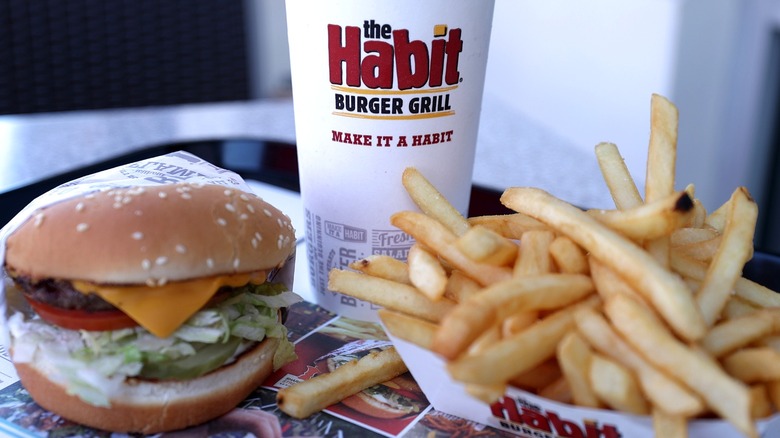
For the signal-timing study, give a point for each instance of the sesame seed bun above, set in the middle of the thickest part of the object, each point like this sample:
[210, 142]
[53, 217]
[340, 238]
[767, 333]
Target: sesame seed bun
[159, 233]
[152, 407]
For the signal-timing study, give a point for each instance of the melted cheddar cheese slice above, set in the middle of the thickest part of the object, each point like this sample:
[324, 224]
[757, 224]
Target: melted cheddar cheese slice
[162, 309]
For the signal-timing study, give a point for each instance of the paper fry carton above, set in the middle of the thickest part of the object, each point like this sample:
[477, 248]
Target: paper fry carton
[529, 415]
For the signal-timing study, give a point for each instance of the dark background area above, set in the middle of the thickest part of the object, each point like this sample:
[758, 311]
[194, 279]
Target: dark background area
[89, 54]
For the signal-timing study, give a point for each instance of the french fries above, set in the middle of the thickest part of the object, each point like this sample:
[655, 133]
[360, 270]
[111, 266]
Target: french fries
[426, 273]
[658, 387]
[619, 181]
[722, 393]
[321, 391]
[383, 266]
[569, 257]
[534, 255]
[649, 221]
[441, 240]
[432, 202]
[408, 328]
[661, 161]
[616, 385]
[641, 309]
[543, 292]
[659, 286]
[481, 244]
[668, 425]
[389, 294]
[575, 357]
[734, 251]
[517, 353]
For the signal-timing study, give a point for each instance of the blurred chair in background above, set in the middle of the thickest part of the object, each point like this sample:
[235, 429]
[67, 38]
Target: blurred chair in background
[92, 54]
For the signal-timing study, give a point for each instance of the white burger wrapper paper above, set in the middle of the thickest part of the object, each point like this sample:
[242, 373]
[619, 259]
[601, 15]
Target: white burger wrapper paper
[172, 168]
[529, 415]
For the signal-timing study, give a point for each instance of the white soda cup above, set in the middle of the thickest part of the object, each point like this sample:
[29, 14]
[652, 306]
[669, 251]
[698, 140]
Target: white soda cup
[378, 86]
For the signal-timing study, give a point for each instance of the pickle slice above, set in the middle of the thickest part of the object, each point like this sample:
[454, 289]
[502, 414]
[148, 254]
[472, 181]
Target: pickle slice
[207, 358]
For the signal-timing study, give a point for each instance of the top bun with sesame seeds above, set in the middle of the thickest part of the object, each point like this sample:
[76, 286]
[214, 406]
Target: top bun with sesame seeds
[152, 234]
[149, 303]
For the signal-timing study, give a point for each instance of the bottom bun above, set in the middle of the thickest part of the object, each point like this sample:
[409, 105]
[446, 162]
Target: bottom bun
[153, 407]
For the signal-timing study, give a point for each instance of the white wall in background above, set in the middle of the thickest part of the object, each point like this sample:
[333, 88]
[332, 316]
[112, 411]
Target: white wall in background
[586, 69]
[725, 93]
[268, 51]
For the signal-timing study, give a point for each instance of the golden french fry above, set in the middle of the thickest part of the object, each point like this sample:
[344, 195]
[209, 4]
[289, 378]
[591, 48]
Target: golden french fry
[661, 160]
[746, 290]
[574, 356]
[426, 273]
[484, 245]
[662, 150]
[703, 250]
[616, 386]
[389, 294]
[725, 395]
[756, 294]
[464, 325]
[538, 377]
[761, 405]
[558, 390]
[536, 292]
[773, 391]
[534, 255]
[432, 202]
[699, 211]
[518, 322]
[687, 266]
[543, 292]
[519, 353]
[659, 388]
[771, 341]
[751, 365]
[383, 266]
[668, 425]
[568, 256]
[664, 290]
[409, 328]
[737, 307]
[658, 248]
[728, 336]
[438, 238]
[511, 226]
[688, 235]
[485, 339]
[608, 283]
[460, 287]
[619, 181]
[699, 214]
[486, 393]
[717, 219]
[317, 393]
[735, 250]
[651, 220]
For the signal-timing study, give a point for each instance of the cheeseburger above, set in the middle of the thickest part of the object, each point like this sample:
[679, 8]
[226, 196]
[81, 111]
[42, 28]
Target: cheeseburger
[148, 309]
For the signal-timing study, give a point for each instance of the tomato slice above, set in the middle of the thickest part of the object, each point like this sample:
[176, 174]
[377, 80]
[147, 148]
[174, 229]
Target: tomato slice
[82, 319]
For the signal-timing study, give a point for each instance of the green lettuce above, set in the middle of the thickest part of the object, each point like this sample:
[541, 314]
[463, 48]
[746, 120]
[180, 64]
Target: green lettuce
[92, 364]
